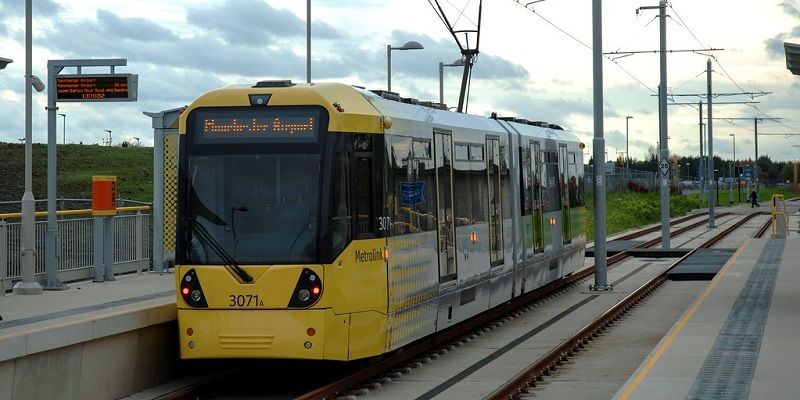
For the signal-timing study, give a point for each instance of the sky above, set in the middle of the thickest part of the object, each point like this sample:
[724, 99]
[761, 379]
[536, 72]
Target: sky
[534, 63]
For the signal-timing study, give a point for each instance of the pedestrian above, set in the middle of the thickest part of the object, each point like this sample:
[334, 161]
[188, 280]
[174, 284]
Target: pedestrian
[754, 199]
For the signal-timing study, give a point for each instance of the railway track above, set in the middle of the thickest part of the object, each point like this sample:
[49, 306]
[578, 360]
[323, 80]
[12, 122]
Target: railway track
[557, 356]
[393, 364]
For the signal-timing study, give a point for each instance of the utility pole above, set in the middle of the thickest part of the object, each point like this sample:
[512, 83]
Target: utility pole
[709, 166]
[700, 161]
[598, 147]
[710, 129]
[308, 41]
[756, 120]
[663, 127]
[28, 285]
[627, 154]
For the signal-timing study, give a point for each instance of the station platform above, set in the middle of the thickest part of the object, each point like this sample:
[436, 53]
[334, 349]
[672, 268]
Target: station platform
[94, 340]
[739, 338]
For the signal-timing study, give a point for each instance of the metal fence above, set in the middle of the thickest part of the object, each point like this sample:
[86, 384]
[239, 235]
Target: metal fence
[132, 248]
[619, 179]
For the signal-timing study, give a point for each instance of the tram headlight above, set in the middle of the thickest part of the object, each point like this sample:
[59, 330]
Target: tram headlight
[190, 290]
[307, 290]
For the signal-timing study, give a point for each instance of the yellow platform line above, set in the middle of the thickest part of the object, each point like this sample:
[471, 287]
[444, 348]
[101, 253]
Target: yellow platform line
[664, 346]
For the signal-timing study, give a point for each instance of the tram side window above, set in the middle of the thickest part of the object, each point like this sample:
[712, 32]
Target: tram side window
[400, 177]
[525, 181]
[340, 225]
[363, 196]
[505, 181]
[424, 177]
[494, 169]
[462, 184]
[478, 196]
[575, 183]
[551, 200]
[412, 181]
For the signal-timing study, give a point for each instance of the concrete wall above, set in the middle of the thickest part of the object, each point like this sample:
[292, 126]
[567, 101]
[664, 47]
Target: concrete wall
[106, 368]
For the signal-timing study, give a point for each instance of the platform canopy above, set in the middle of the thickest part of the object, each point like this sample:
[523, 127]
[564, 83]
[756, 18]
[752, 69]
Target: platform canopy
[792, 57]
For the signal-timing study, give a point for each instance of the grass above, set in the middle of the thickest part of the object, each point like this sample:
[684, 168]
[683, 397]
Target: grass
[627, 210]
[133, 167]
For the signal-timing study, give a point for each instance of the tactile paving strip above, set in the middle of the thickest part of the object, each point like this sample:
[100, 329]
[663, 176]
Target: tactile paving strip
[729, 367]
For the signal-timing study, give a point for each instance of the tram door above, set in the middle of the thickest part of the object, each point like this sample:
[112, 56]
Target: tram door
[538, 219]
[563, 168]
[443, 151]
[495, 193]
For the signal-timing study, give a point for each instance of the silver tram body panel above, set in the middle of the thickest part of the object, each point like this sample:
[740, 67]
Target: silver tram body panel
[420, 303]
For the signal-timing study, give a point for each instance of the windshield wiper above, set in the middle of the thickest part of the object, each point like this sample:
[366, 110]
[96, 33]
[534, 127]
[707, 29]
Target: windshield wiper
[208, 240]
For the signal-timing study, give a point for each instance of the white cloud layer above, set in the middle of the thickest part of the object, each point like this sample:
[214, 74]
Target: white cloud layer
[527, 66]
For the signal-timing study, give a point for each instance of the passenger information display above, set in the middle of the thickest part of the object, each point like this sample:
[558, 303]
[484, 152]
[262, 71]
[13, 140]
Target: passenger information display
[105, 87]
[256, 125]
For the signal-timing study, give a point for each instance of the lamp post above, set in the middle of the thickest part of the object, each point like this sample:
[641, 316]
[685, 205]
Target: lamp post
[627, 152]
[137, 141]
[412, 45]
[733, 135]
[730, 192]
[64, 127]
[4, 62]
[687, 172]
[28, 243]
[109, 137]
[456, 63]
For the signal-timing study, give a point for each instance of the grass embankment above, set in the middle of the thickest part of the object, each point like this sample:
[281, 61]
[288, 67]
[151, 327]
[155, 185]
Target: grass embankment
[133, 167]
[627, 210]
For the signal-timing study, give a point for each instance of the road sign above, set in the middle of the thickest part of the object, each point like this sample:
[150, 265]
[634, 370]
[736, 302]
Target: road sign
[747, 170]
[97, 87]
[664, 166]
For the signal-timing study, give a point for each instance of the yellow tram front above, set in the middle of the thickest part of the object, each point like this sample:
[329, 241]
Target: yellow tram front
[272, 182]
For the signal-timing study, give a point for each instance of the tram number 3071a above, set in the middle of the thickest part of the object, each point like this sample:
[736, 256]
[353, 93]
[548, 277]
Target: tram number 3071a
[245, 300]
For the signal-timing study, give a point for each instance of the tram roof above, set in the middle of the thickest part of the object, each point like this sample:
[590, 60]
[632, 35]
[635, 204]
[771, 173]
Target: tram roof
[355, 109]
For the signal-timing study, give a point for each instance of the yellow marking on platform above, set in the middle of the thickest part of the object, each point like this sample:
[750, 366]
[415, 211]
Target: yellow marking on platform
[664, 346]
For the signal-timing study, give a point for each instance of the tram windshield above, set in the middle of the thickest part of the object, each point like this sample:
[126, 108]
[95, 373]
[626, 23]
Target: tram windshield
[257, 198]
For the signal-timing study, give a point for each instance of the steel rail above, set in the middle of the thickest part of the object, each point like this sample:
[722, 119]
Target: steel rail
[554, 358]
[416, 350]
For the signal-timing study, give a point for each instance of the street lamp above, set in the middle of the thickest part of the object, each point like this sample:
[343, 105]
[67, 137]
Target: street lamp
[28, 284]
[627, 152]
[412, 45]
[456, 63]
[687, 172]
[4, 62]
[109, 137]
[733, 135]
[137, 141]
[64, 126]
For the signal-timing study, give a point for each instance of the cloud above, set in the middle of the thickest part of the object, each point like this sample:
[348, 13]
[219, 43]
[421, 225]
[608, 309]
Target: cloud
[254, 22]
[425, 63]
[16, 8]
[774, 45]
[138, 29]
[790, 7]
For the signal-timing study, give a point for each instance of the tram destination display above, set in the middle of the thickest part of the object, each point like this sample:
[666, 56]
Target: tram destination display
[97, 87]
[282, 124]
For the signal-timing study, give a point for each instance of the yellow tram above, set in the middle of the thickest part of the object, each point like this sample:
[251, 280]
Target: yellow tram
[325, 221]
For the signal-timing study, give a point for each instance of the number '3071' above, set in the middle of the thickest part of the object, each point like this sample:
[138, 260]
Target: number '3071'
[244, 300]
